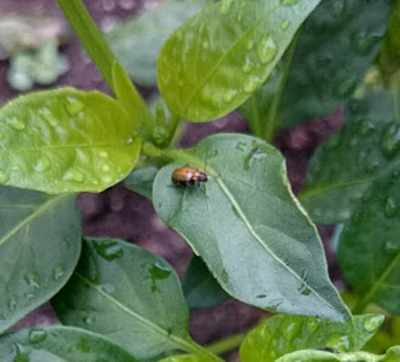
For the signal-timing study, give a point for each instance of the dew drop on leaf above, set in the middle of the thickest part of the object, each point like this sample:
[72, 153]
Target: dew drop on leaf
[285, 24]
[33, 280]
[341, 342]
[58, 272]
[21, 355]
[372, 323]
[48, 117]
[290, 330]
[205, 45]
[74, 106]
[267, 50]
[12, 304]
[225, 6]
[73, 175]
[229, 95]
[4, 177]
[390, 207]
[346, 89]
[43, 164]
[248, 65]
[289, 2]
[103, 154]
[109, 250]
[363, 42]
[37, 335]
[105, 168]
[390, 141]
[15, 124]
[250, 44]
[392, 246]
[251, 83]
[158, 272]
[312, 324]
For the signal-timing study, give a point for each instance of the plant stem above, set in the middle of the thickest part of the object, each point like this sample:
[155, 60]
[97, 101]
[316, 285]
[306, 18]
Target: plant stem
[90, 37]
[226, 344]
[194, 348]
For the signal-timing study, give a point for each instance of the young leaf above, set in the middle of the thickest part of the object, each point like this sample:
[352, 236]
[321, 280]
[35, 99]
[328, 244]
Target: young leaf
[215, 60]
[392, 355]
[65, 140]
[40, 242]
[186, 358]
[200, 287]
[141, 181]
[369, 246]
[127, 294]
[137, 42]
[366, 147]
[248, 227]
[283, 334]
[60, 344]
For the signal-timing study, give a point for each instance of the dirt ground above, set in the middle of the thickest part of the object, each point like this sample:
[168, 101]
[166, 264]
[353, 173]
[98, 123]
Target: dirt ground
[120, 213]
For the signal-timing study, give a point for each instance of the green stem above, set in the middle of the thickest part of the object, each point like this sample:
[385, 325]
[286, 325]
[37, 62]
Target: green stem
[90, 37]
[194, 348]
[226, 344]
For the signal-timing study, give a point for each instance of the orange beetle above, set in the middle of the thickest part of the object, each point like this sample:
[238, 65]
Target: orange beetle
[187, 175]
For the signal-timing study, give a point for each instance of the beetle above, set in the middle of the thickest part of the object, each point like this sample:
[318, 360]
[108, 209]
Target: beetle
[188, 176]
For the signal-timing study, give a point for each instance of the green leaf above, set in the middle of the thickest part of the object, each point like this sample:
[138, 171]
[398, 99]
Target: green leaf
[283, 334]
[40, 242]
[60, 344]
[186, 358]
[246, 224]
[65, 141]
[127, 294]
[392, 355]
[214, 61]
[369, 246]
[334, 49]
[200, 287]
[141, 181]
[137, 42]
[364, 148]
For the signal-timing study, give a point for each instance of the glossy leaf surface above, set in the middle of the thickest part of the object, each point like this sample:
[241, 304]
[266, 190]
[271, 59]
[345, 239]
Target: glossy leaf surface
[364, 148]
[369, 246]
[246, 224]
[214, 61]
[392, 355]
[60, 344]
[127, 294]
[65, 141]
[141, 181]
[283, 334]
[40, 242]
[311, 80]
[200, 287]
[136, 42]
[186, 358]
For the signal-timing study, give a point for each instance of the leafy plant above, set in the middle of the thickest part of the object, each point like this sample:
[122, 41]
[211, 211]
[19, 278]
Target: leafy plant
[279, 62]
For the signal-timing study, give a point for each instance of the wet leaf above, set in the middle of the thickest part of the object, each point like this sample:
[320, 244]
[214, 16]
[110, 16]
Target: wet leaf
[246, 224]
[283, 334]
[200, 287]
[186, 358]
[136, 42]
[127, 294]
[60, 344]
[347, 163]
[65, 140]
[369, 246]
[141, 181]
[40, 242]
[215, 60]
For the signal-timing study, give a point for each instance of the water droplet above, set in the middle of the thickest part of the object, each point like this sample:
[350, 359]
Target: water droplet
[241, 146]
[251, 84]
[290, 330]
[285, 24]
[4, 177]
[74, 106]
[12, 304]
[158, 272]
[1, 135]
[33, 280]
[225, 6]
[37, 335]
[392, 246]
[250, 44]
[248, 65]
[88, 320]
[366, 127]
[267, 50]
[15, 124]
[105, 168]
[229, 95]
[73, 175]
[340, 342]
[21, 355]
[303, 7]
[58, 272]
[372, 323]
[205, 44]
[364, 42]
[289, 2]
[346, 89]
[103, 154]
[312, 324]
[48, 117]
[255, 154]
[390, 141]
[390, 207]
[109, 250]
[43, 164]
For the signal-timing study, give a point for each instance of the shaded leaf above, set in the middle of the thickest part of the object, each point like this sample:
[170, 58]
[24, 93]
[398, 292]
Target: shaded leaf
[200, 287]
[127, 294]
[65, 140]
[246, 224]
[40, 242]
[283, 334]
[60, 344]
[214, 61]
[369, 246]
[137, 42]
[362, 150]
[141, 181]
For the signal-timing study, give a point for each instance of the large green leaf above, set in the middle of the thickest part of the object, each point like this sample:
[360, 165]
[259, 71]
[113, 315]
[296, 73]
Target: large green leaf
[283, 334]
[186, 358]
[248, 227]
[137, 42]
[65, 140]
[127, 294]
[141, 181]
[60, 344]
[367, 146]
[337, 44]
[40, 242]
[392, 355]
[214, 61]
[369, 246]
